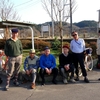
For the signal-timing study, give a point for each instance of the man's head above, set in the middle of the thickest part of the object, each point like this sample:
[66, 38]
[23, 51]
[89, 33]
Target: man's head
[14, 33]
[32, 53]
[46, 50]
[75, 35]
[14, 30]
[65, 49]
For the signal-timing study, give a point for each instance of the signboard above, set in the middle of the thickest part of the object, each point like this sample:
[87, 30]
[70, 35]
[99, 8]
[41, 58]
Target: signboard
[45, 28]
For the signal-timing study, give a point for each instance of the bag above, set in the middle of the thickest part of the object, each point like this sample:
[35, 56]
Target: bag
[98, 65]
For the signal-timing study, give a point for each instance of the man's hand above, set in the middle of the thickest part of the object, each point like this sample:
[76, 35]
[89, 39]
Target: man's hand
[67, 67]
[27, 72]
[48, 71]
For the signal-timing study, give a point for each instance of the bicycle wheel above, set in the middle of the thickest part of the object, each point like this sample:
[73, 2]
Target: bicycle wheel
[80, 72]
[88, 62]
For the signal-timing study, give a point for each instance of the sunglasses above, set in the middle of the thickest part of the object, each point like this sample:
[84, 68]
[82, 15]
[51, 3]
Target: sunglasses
[74, 34]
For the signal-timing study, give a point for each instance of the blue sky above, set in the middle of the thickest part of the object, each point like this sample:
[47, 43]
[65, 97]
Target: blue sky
[32, 10]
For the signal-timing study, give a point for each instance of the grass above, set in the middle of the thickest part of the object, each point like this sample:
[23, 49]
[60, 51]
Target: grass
[26, 53]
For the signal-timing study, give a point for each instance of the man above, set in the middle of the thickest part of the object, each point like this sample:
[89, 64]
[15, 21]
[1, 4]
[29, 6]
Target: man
[31, 65]
[66, 65]
[98, 51]
[13, 50]
[48, 65]
[77, 47]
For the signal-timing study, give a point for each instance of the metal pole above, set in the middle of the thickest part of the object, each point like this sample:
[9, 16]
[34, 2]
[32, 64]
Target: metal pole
[98, 25]
[32, 37]
[10, 24]
[52, 18]
[70, 17]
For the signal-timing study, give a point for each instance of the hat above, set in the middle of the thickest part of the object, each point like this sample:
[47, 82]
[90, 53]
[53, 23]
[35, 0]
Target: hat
[66, 46]
[32, 51]
[46, 48]
[14, 30]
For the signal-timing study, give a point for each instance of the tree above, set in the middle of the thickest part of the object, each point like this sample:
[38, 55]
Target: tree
[59, 11]
[7, 12]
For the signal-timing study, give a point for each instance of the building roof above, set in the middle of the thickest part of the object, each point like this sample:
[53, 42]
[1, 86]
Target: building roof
[4, 24]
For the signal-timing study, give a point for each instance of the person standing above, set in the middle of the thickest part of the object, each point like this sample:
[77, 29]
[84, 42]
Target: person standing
[98, 51]
[98, 46]
[31, 65]
[66, 65]
[77, 47]
[48, 65]
[13, 50]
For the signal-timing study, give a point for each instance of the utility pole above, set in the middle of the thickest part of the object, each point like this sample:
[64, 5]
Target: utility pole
[52, 18]
[98, 28]
[70, 16]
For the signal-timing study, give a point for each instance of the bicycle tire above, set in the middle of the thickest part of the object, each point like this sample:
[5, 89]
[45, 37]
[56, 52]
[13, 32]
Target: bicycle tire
[88, 63]
[80, 72]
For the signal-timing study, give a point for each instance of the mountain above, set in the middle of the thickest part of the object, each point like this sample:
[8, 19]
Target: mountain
[86, 23]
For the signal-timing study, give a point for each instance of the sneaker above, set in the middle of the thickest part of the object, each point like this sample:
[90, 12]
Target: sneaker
[77, 79]
[99, 79]
[16, 83]
[65, 81]
[54, 81]
[33, 86]
[1, 81]
[6, 88]
[86, 80]
[42, 83]
[72, 80]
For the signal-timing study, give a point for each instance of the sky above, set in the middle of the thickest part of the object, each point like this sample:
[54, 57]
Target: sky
[33, 11]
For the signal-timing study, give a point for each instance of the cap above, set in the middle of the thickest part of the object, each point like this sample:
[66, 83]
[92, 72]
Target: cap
[14, 30]
[66, 46]
[32, 51]
[46, 48]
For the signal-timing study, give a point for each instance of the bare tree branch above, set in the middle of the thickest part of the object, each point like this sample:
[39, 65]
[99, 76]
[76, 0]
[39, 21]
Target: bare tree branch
[7, 11]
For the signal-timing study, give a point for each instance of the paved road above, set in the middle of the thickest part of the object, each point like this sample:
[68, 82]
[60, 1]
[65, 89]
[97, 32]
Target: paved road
[76, 91]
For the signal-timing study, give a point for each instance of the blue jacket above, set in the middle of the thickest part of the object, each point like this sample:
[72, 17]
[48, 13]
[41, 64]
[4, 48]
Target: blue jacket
[47, 61]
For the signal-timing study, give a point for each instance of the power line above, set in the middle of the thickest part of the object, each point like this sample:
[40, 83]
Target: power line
[28, 5]
[30, 1]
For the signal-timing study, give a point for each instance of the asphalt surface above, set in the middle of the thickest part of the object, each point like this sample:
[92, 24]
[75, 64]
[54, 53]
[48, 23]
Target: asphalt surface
[70, 91]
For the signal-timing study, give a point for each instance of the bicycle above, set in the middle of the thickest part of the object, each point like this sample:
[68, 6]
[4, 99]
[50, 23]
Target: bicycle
[88, 61]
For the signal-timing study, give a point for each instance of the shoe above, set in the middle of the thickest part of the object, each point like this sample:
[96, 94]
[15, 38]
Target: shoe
[16, 83]
[77, 79]
[6, 88]
[86, 80]
[42, 83]
[99, 79]
[54, 81]
[1, 81]
[65, 81]
[33, 86]
[72, 80]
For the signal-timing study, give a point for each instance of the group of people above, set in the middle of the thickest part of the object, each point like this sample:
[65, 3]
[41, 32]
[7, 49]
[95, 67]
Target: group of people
[68, 62]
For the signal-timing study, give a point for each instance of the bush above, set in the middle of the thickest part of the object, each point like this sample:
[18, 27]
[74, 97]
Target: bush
[56, 44]
[40, 44]
[26, 44]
